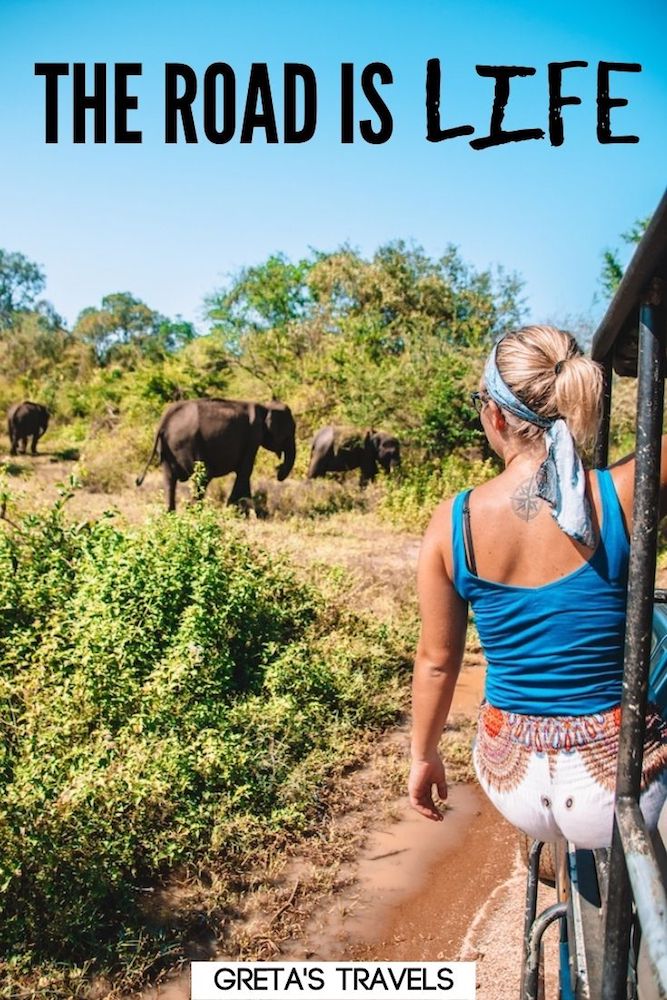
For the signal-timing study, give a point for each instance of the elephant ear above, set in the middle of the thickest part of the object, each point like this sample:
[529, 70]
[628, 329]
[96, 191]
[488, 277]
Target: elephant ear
[279, 436]
[278, 422]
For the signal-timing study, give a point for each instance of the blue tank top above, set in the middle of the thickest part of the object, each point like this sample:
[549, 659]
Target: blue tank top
[555, 649]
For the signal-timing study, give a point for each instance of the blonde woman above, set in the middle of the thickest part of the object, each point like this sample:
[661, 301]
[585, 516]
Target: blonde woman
[541, 554]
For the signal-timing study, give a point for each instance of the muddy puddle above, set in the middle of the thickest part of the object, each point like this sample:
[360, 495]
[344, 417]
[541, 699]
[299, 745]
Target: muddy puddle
[419, 888]
[418, 885]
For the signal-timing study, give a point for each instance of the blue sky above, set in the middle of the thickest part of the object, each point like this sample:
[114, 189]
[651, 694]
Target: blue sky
[169, 223]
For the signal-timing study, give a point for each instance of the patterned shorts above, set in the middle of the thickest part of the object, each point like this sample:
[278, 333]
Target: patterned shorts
[555, 776]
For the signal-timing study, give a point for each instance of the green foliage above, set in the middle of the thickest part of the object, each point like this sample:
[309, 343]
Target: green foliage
[34, 347]
[612, 272]
[168, 697]
[444, 416]
[36, 352]
[416, 490]
[612, 268]
[380, 342]
[268, 296]
[124, 330]
[21, 281]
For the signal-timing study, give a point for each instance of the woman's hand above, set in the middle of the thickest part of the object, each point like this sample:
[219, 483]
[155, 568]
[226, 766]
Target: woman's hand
[424, 774]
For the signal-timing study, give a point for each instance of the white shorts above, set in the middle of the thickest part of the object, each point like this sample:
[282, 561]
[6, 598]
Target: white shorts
[555, 776]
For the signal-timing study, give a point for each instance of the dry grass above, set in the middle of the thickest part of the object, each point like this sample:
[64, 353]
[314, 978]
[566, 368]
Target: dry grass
[306, 498]
[377, 564]
[456, 748]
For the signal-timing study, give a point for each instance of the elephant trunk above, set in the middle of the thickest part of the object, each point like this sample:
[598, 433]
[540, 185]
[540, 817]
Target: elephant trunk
[287, 464]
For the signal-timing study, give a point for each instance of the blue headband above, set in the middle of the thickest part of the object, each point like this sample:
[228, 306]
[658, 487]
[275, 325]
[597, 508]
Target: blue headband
[561, 481]
[501, 394]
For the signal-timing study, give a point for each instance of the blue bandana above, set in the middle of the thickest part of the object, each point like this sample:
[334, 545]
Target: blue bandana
[560, 479]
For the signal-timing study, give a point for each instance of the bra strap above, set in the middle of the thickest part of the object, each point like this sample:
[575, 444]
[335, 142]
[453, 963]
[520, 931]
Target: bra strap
[467, 536]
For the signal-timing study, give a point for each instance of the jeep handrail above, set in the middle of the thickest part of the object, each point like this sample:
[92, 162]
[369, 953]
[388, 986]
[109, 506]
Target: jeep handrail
[631, 340]
[620, 320]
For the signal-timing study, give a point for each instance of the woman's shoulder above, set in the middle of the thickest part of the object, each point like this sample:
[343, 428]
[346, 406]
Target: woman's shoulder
[437, 544]
[441, 518]
[439, 531]
[622, 474]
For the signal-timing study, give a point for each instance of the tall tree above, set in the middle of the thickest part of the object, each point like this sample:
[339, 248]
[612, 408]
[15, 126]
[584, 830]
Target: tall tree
[21, 282]
[267, 296]
[367, 341]
[122, 328]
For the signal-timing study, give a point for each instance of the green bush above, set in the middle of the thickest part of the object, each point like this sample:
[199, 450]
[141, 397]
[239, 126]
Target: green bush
[416, 490]
[446, 417]
[168, 697]
[110, 460]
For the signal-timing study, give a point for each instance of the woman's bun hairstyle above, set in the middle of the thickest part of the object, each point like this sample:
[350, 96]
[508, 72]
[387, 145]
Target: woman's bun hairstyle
[546, 369]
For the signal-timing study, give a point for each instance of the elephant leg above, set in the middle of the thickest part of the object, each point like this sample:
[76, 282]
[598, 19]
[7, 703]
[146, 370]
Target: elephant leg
[24, 445]
[368, 470]
[241, 487]
[314, 469]
[35, 439]
[13, 441]
[169, 486]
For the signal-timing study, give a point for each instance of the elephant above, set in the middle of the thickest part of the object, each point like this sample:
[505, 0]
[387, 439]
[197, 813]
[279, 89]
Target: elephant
[224, 435]
[26, 420]
[341, 449]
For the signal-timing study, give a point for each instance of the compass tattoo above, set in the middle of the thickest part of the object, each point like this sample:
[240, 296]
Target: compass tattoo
[525, 500]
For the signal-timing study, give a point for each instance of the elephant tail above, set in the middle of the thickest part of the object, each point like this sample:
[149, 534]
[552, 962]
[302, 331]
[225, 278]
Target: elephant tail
[158, 439]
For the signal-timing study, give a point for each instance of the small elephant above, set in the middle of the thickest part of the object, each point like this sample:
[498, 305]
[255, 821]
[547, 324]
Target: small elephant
[339, 450]
[224, 435]
[26, 420]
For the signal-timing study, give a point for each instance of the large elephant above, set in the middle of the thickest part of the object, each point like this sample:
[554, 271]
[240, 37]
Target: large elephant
[224, 435]
[25, 420]
[341, 449]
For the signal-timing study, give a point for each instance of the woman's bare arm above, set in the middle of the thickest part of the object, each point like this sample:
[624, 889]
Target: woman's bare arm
[437, 663]
[623, 473]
